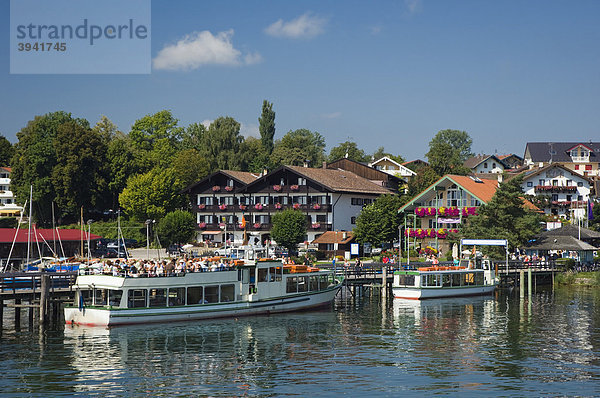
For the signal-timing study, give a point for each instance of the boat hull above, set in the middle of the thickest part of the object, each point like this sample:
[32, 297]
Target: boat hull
[96, 316]
[436, 292]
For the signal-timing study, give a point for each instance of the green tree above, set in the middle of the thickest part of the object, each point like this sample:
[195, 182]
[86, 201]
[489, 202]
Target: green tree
[253, 156]
[380, 221]
[177, 227]
[266, 126]
[297, 146]
[161, 125]
[289, 228]
[504, 217]
[595, 222]
[193, 137]
[76, 176]
[34, 161]
[189, 167]
[380, 152]
[350, 149]
[121, 164]
[426, 176]
[151, 195]
[106, 129]
[7, 151]
[448, 150]
[221, 144]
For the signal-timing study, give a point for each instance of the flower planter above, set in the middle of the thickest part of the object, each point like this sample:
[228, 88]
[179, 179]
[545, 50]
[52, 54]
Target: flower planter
[216, 188]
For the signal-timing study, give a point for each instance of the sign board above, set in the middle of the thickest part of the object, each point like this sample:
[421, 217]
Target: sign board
[484, 242]
[354, 249]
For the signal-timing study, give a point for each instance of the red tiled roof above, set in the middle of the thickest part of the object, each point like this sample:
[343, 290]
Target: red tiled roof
[335, 237]
[340, 180]
[482, 189]
[243, 176]
[8, 234]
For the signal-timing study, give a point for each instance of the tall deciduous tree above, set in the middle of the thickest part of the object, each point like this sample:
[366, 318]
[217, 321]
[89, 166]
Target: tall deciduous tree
[348, 150]
[176, 227]
[426, 176]
[222, 144]
[380, 152]
[190, 167]
[34, 161]
[297, 146]
[7, 151]
[289, 228]
[505, 217]
[266, 126]
[147, 130]
[448, 150]
[151, 195]
[378, 222]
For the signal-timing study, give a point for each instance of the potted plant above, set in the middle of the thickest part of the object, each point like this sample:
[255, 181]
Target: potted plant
[202, 206]
[316, 206]
[222, 206]
[294, 187]
[277, 188]
[256, 225]
[202, 225]
[228, 188]
[316, 225]
[216, 188]
[258, 206]
[296, 206]
[278, 206]
[242, 207]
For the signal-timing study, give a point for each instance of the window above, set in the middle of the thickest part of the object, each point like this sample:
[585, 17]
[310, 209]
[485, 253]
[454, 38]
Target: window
[227, 293]
[542, 182]
[356, 201]
[136, 298]
[230, 183]
[569, 183]
[580, 184]
[588, 166]
[114, 297]
[367, 201]
[406, 280]
[353, 220]
[301, 181]
[291, 285]
[302, 283]
[228, 200]
[275, 276]
[554, 183]
[211, 294]
[176, 297]
[314, 283]
[157, 297]
[485, 165]
[100, 296]
[493, 165]
[530, 184]
[576, 167]
[579, 198]
[194, 295]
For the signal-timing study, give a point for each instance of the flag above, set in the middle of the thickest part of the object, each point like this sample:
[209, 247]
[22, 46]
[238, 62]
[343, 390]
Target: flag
[590, 210]
[243, 223]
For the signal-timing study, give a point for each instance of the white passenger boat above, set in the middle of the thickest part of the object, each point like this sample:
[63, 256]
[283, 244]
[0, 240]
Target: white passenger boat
[248, 288]
[439, 281]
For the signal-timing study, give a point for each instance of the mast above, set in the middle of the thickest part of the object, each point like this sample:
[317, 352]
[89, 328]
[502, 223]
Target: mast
[53, 229]
[81, 240]
[29, 229]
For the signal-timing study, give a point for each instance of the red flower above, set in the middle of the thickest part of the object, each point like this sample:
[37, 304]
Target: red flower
[242, 207]
[294, 187]
[277, 188]
[296, 206]
[202, 206]
[278, 206]
[223, 206]
[228, 188]
[258, 206]
[216, 188]
[316, 206]
[256, 225]
[202, 225]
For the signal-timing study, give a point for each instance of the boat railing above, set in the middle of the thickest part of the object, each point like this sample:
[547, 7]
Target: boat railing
[125, 273]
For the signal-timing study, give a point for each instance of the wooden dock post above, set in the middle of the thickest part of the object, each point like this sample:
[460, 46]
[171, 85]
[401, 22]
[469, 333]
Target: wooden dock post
[529, 281]
[1, 313]
[384, 281]
[44, 295]
[17, 313]
[521, 283]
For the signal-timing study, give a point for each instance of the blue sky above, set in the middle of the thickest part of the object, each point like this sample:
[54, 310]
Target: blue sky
[385, 73]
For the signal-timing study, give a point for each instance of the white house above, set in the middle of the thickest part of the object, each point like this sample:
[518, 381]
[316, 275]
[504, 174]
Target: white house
[8, 207]
[485, 164]
[390, 166]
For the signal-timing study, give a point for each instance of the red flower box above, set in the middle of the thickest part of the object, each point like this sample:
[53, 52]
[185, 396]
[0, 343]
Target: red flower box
[277, 188]
[296, 206]
[222, 207]
[202, 225]
[216, 188]
[202, 206]
[278, 206]
[242, 207]
[256, 225]
[294, 187]
[258, 206]
[228, 188]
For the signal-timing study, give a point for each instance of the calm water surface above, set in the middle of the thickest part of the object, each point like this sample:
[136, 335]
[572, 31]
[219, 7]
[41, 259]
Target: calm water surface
[496, 346]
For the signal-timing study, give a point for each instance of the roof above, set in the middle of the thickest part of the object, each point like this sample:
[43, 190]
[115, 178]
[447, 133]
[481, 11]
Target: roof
[475, 161]
[560, 243]
[419, 161]
[330, 237]
[242, 176]
[8, 234]
[9, 169]
[557, 151]
[572, 230]
[400, 167]
[339, 180]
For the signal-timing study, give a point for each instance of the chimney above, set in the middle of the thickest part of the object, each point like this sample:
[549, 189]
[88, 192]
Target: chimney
[324, 164]
[306, 162]
[500, 178]
[344, 235]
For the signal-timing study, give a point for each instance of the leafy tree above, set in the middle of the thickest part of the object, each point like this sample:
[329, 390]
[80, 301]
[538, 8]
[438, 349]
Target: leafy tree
[505, 217]
[7, 151]
[189, 166]
[349, 148]
[378, 222]
[266, 126]
[297, 146]
[34, 161]
[289, 228]
[151, 195]
[595, 222]
[76, 176]
[253, 156]
[121, 164]
[106, 129]
[448, 150]
[161, 125]
[424, 178]
[177, 227]
[380, 152]
[193, 137]
[222, 144]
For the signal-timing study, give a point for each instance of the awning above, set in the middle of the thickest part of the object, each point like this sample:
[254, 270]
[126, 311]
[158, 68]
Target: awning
[8, 211]
[212, 232]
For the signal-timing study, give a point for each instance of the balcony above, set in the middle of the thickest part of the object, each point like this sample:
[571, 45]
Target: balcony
[262, 208]
[555, 188]
[569, 203]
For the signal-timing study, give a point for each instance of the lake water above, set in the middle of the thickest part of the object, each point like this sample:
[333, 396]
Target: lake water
[494, 346]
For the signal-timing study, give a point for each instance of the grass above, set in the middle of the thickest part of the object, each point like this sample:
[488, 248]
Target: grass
[579, 278]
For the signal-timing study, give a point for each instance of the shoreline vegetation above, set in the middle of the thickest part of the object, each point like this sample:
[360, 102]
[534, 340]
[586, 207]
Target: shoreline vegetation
[574, 278]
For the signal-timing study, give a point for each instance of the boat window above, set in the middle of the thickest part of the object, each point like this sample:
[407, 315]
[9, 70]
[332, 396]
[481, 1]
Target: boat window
[323, 282]
[314, 283]
[446, 280]
[456, 279]
[115, 297]
[177, 297]
[406, 280]
[227, 293]
[157, 297]
[275, 276]
[479, 278]
[101, 297]
[262, 274]
[291, 284]
[431, 280]
[87, 297]
[211, 294]
[469, 279]
[194, 295]
[136, 298]
[302, 283]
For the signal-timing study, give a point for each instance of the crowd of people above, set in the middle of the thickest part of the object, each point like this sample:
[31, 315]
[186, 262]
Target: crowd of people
[164, 267]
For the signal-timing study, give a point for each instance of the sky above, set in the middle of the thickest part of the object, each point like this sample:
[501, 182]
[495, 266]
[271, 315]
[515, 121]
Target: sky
[384, 73]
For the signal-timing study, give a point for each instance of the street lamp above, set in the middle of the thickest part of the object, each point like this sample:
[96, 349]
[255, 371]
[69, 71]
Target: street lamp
[148, 222]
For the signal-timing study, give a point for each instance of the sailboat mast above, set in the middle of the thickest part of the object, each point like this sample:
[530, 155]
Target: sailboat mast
[29, 230]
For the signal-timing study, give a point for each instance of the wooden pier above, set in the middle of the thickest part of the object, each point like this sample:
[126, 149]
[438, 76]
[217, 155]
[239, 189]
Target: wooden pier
[41, 291]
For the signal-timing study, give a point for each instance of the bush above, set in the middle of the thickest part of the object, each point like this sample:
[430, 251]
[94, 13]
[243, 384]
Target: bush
[567, 278]
[566, 263]
[320, 255]
[8, 222]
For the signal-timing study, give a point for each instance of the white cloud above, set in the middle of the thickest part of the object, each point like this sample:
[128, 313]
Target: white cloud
[305, 26]
[413, 6]
[202, 48]
[333, 115]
